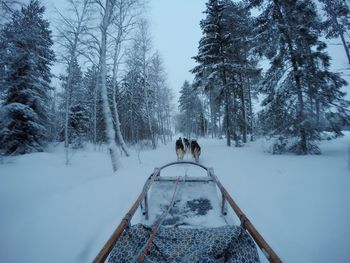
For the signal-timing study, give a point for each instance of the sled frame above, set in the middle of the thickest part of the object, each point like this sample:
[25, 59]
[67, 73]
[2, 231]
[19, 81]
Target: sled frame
[141, 202]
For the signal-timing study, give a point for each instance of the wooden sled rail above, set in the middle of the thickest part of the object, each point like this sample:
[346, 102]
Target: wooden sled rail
[104, 252]
[265, 248]
[260, 241]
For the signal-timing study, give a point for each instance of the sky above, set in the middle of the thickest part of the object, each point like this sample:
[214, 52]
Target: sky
[175, 32]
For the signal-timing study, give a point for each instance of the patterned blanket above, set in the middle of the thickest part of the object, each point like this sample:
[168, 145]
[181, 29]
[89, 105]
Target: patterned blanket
[173, 244]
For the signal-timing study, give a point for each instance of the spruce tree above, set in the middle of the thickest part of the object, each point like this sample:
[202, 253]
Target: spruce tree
[299, 86]
[337, 21]
[26, 55]
[75, 105]
[192, 121]
[213, 56]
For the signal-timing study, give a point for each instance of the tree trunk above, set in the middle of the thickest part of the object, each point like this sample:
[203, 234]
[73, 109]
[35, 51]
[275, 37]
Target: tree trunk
[244, 112]
[95, 115]
[103, 76]
[66, 126]
[68, 98]
[251, 115]
[300, 108]
[235, 125]
[227, 110]
[341, 33]
[345, 46]
[114, 103]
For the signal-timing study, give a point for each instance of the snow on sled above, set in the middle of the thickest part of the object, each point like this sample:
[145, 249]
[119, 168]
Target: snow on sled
[183, 219]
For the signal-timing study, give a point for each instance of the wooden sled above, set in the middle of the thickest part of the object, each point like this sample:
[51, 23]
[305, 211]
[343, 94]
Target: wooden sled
[187, 210]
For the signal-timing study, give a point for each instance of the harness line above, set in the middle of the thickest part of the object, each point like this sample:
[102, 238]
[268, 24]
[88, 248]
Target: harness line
[142, 252]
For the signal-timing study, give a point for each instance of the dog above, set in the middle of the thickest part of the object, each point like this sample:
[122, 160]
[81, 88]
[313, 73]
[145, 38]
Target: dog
[186, 143]
[180, 149]
[195, 150]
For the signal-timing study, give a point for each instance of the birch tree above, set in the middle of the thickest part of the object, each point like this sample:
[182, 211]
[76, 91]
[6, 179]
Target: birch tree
[126, 18]
[71, 29]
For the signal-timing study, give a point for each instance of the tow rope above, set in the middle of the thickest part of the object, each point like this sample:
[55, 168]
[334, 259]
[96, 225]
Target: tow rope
[142, 252]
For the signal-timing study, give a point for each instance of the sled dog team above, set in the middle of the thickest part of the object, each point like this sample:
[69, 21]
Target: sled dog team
[183, 145]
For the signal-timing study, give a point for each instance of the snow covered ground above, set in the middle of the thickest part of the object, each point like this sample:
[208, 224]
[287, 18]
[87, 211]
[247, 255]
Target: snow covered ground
[51, 212]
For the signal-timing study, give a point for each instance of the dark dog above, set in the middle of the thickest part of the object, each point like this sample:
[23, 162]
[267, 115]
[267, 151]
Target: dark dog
[180, 149]
[187, 143]
[195, 150]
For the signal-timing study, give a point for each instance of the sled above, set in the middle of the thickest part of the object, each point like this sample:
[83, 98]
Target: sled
[185, 219]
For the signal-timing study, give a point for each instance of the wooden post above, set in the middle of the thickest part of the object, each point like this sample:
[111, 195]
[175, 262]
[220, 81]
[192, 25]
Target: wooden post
[260, 241]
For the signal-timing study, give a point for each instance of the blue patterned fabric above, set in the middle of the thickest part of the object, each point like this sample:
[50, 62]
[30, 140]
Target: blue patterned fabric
[173, 244]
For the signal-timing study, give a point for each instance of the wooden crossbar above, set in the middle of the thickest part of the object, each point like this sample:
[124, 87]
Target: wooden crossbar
[187, 179]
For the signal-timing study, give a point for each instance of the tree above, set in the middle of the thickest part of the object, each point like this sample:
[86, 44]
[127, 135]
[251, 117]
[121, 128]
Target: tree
[75, 96]
[71, 31]
[243, 71]
[226, 65]
[107, 16]
[337, 21]
[162, 96]
[298, 85]
[26, 53]
[7, 7]
[213, 56]
[125, 20]
[191, 121]
[96, 125]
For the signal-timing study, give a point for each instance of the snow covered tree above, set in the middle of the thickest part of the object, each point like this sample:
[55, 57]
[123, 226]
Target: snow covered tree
[213, 56]
[126, 18]
[96, 126]
[337, 21]
[243, 71]
[191, 121]
[131, 105]
[71, 29]
[133, 100]
[225, 64]
[298, 85]
[145, 75]
[162, 97]
[107, 12]
[143, 42]
[75, 98]
[27, 56]
[7, 7]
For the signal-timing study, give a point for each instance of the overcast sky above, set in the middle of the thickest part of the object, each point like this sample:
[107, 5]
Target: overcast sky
[174, 25]
[176, 33]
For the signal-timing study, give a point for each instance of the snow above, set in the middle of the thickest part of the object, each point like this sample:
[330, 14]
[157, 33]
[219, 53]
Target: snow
[51, 212]
[180, 214]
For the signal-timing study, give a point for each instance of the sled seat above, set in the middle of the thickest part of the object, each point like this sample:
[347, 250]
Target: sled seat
[172, 244]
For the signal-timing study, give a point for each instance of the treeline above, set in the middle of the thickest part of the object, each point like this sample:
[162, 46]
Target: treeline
[300, 96]
[114, 89]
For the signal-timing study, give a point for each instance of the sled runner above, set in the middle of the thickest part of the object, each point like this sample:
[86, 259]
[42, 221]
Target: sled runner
[185, 220]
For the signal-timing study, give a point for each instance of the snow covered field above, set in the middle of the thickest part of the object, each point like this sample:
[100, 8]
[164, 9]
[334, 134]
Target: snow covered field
[56, 213]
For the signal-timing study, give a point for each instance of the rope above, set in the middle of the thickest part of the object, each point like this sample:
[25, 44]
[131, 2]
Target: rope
[142, 252]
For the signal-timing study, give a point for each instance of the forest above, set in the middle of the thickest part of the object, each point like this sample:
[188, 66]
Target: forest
[114, 89]
[93, 126]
